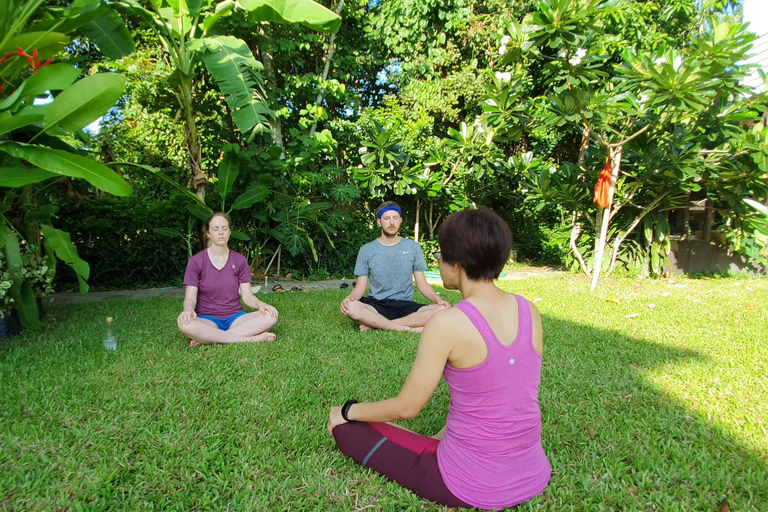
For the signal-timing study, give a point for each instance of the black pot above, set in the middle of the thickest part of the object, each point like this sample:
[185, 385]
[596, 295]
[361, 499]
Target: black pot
[10, 325]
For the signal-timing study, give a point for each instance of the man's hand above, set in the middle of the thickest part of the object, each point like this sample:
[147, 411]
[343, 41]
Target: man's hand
[186, 317]
[442, 303]
[335, 419]
[345, 304]
[267, 310]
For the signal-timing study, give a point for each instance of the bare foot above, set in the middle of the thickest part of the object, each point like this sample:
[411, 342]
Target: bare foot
[265, 336]
[193, 343]
[364, 328]
[415, 329]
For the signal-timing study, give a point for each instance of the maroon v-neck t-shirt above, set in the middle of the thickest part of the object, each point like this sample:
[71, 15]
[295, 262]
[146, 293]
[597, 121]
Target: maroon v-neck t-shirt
[218, 289]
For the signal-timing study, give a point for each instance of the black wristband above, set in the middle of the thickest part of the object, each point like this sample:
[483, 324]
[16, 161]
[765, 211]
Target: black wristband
[345, 410]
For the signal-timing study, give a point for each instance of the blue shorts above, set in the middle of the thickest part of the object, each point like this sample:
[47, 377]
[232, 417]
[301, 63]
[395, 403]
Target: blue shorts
[223, 323]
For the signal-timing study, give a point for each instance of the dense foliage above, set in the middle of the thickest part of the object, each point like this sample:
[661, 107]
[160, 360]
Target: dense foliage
[439, 106]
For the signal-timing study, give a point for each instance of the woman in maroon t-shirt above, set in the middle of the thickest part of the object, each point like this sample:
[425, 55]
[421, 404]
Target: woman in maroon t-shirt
[216, 279]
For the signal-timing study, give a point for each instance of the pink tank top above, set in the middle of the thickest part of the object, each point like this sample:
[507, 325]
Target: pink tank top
[491, 455]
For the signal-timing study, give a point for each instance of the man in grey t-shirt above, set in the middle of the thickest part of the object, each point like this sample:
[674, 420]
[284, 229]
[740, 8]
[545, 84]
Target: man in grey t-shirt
[390, 264]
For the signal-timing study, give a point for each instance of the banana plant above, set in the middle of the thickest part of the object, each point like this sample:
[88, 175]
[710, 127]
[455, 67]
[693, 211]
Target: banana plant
[186, 29]
[32, 150]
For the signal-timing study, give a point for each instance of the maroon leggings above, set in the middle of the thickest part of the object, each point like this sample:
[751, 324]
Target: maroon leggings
[402, 456]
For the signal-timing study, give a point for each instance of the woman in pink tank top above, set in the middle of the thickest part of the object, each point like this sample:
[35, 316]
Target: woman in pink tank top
[488, 348]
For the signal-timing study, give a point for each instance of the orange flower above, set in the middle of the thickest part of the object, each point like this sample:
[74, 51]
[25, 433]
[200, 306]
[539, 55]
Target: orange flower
[602, 189]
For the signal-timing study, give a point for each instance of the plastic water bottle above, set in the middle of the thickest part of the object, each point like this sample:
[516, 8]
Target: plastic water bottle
[110, 342]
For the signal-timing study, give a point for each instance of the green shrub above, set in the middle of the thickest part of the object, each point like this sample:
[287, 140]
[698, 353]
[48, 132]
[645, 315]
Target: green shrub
[116, 237]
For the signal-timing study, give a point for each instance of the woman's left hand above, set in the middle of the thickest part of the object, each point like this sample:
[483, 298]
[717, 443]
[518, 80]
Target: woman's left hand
[266, 309]
[335, 419]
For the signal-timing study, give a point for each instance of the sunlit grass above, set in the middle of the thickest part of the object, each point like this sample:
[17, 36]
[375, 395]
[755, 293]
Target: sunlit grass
[661, 411]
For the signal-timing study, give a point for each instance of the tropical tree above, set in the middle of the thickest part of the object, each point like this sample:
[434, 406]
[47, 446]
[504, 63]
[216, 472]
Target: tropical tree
[37, 140]
[649, 104]
[188, 32]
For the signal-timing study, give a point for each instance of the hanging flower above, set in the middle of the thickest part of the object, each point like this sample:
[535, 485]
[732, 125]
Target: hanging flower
[503, 77]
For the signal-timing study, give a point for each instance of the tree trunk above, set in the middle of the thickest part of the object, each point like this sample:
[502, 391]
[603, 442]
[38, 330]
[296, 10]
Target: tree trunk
[620, 239]
[575, 233]
[431, 221]
[615, 155]
[276, 127]
[328, 57]
[192, 138]
[416, 226]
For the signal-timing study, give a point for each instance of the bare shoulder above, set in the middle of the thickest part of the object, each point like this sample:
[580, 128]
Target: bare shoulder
[447, 321]
[536, 327]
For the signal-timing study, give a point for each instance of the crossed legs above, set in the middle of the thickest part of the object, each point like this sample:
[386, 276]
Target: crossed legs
[249, 328]
[368, 318]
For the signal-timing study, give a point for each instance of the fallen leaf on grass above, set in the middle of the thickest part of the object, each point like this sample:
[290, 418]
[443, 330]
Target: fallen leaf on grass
[665, 294]
[633, 315]
[651, 305]
[537, 299]
[614, 300]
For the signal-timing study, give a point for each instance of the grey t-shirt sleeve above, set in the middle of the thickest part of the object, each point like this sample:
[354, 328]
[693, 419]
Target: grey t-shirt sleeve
[419, 263]
[361, 265]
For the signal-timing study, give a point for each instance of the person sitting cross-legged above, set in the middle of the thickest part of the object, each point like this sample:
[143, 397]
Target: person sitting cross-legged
[390, 264]
[216, 279]
[488, 347]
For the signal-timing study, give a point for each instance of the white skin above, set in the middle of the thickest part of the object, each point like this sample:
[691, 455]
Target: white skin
[248, 328]
[449, 337]
[366, 316]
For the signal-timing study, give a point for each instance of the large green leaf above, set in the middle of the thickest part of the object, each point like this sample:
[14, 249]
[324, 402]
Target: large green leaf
[159, 174]
[169, 232]
[84, 102]
[26, 305]
[239, 235]
[308, 13]
[19, 121]
[54, 77]
[21, 291]
[60, 244]
[236, 72]
[68, 164]
[13, 255]
[249, 197]
[229, 168]
[222, 9]
[111, 35]
[200, 211]
[20, 176]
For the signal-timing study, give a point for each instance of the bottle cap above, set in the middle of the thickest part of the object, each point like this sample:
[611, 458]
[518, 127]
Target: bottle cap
[110, 319]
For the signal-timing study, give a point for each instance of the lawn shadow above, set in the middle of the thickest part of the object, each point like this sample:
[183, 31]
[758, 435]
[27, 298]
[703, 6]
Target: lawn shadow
[620, 443]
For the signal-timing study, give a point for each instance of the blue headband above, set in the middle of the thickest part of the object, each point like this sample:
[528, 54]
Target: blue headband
[390, 208]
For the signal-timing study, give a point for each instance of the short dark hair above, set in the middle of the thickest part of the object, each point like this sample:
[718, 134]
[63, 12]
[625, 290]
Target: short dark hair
[384, 205]
[478, 240]
[213, 216]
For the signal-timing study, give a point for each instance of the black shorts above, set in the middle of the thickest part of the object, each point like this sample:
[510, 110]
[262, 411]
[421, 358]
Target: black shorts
[393, 309]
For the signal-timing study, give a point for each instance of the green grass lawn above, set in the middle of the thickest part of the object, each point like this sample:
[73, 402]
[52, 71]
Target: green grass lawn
[666, 410]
